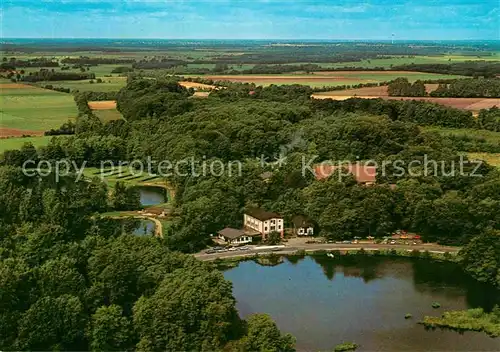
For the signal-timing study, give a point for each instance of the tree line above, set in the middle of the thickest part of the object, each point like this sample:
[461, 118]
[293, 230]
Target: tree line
[93, 61]
[469, 88]
[72, 280]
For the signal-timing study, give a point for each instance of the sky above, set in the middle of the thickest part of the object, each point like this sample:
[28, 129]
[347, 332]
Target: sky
[252, 19]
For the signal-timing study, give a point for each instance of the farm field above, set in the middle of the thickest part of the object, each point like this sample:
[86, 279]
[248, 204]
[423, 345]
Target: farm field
[105, 110]
[18, 142]
[196, 85]
[327, 78]
[471, 104]
[109, 84]
[399, 60]
[491, 158]
[123, 175]
[29, 110]
[489, 136]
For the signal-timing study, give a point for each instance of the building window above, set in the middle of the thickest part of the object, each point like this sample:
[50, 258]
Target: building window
[279, 227]
[265, 228]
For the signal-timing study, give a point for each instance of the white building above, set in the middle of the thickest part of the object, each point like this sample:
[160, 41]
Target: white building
[263, 221]
[302, 226]
[235, 236]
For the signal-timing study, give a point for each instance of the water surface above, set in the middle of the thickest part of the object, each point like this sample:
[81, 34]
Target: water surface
[324, 302]
[150, 195]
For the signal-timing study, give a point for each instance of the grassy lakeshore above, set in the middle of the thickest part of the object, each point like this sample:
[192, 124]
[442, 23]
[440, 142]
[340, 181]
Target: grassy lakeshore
[467, 320]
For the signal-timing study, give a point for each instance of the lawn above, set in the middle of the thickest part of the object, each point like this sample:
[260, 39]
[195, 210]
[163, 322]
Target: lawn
[35, 109]
[17, 143]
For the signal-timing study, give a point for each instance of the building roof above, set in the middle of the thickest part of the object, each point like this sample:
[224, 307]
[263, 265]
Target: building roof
[261, 214]
[301, 221]
[362, 173]
[231, 233]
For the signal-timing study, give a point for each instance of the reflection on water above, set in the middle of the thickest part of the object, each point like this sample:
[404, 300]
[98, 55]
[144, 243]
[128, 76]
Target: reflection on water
[324, 301]
[144, 228]
[152, 195]
[139, 227]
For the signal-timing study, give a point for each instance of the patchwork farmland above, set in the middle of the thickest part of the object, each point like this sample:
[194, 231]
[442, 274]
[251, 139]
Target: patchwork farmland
[29, 110]
[105, 110]
[471, 104]
[329, 78]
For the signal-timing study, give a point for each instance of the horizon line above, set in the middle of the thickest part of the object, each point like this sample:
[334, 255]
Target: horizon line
[287, 39]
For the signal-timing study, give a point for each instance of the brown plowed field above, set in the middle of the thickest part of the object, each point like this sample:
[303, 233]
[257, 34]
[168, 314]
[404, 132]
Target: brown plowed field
[196, 85]
[471, 104]
[14, 86]
[283, 79]
[14, 132]
[102, 105]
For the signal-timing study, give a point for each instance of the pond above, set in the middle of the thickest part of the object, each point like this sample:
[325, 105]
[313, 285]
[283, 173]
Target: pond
[138, 227]
[144, 228]
[324, 302]
[151, 195]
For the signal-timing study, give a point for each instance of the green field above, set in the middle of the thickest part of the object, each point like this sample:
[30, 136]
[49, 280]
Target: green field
[109, 84]
[108, 115]
[322, 79]
[17, 143]
[489, 136]
[397, 60]
[123, 175]
[36, 109]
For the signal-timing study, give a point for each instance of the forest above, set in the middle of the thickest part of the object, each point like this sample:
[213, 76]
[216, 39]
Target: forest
[72, 281]
[97, 288]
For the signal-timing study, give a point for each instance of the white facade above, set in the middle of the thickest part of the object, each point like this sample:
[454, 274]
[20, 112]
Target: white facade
[237, 240]
[305, 231]
[264, 227]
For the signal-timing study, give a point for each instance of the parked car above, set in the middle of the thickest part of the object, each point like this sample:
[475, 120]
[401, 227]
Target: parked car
[210, 251]
[233, 249]
[244, 248]
[393, 242]
[346, 242]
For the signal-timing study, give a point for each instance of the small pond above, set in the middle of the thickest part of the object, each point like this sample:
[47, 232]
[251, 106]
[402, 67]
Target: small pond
[151, 195]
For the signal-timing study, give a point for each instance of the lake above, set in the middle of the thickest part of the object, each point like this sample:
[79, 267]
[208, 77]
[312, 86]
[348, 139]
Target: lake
[324, 302]
[150, 195]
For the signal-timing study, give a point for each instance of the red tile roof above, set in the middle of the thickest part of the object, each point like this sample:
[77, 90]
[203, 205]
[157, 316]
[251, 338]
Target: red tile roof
[362, 173]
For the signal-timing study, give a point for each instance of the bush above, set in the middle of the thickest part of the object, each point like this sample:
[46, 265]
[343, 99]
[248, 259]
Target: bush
[346, 346]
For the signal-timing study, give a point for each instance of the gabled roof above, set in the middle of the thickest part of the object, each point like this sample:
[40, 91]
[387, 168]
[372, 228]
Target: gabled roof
[362, 173]
[261, 214]
[231, 233]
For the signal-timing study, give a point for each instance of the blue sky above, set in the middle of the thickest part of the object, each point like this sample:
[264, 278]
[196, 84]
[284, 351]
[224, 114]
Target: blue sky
[257, 19]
